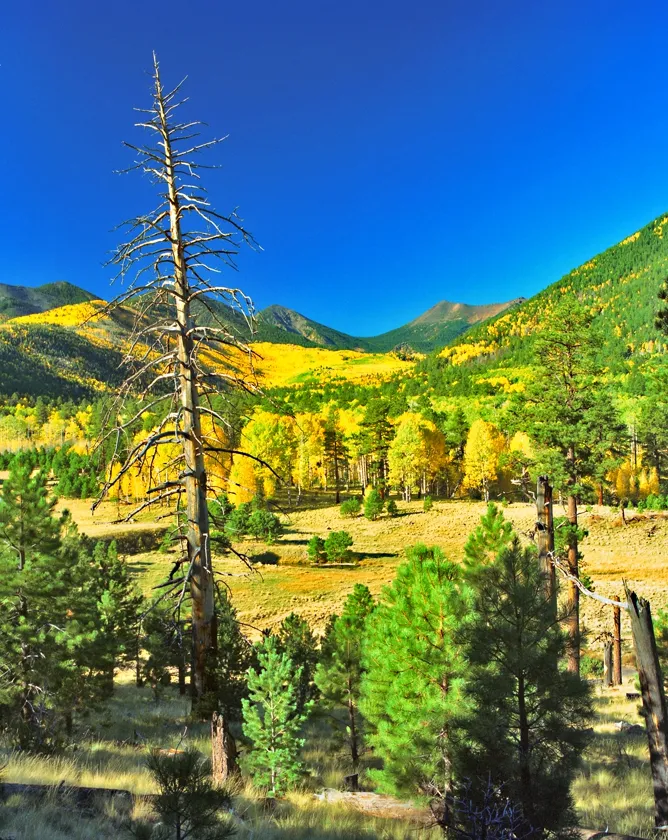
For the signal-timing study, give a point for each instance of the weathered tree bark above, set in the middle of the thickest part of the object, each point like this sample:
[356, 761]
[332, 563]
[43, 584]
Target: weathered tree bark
[198, 546]
[607, 664]
[172, 250]
[573, 620]
[617, 646]
[223, 750]
[653, 700]
[545, 537]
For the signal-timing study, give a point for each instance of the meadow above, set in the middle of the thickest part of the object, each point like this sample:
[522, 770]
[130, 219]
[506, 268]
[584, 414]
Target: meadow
[612, 789]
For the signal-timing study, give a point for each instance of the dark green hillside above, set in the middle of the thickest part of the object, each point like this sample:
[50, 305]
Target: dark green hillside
[50, 361]
[296, 326]
[16, 301]
[264, 330]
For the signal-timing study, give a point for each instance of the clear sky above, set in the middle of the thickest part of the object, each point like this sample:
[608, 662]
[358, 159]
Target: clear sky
[386, 155]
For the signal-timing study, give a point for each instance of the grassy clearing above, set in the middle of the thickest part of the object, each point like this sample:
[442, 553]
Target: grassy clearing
[613, 788]
[282, 581]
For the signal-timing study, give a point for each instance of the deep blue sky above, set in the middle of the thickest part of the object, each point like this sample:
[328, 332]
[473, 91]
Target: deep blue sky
[386, 155]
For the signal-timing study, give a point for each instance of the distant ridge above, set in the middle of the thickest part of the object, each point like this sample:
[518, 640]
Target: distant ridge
[620, 286]
[434, 328]
[16, 301]
[279, 325]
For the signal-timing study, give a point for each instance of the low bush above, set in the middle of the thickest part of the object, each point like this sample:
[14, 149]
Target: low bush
[337, 547]
[351, 507]
[315, 549]
[373, 504]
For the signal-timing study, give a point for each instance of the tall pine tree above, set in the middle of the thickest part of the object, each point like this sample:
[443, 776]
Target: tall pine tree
[339, 672]
[413, 687]
[525, 726]
[272, 722]
[48, 614]
[569, 413]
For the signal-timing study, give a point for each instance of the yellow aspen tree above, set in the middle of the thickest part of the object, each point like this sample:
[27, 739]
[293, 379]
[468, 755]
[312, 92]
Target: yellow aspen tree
[481, 456]
[623, 481]
[243, 483]
[653, 484]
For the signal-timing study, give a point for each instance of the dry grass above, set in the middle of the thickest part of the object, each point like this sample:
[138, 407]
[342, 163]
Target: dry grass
[264, 597]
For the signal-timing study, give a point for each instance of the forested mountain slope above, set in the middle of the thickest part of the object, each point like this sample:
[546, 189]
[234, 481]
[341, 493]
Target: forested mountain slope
[45, 350]
[620, 286]
[438, 326]
[25, 300]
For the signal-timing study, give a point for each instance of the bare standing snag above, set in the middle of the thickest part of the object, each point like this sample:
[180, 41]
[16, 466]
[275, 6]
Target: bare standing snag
[168, 260]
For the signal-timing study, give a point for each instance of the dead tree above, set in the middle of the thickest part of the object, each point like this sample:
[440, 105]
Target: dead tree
[223, 750]
[653, 700]
[545, 536]
[177, 364]
[651, 683]
[617, 645]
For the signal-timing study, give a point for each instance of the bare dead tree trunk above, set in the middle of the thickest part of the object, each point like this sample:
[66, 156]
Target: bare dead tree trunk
[617, 646]
[573, 620]
[545, 537]
[172, 250]
[653, 700]
[223, 750]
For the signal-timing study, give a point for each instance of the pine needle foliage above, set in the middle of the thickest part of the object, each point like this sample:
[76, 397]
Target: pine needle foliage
[49, 617]
[526, 720]
[339, 672]
[413, 688]
[272, 723]
[187, 804]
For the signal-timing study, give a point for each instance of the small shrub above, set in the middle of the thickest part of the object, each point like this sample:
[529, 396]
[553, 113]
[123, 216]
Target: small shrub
[188, 803]
[264, 525]
[590, 666]
[391, 507]
[427, 504]
[236, 525]
[373, 504]
[351, 507]
[337, 547]
[315, 549]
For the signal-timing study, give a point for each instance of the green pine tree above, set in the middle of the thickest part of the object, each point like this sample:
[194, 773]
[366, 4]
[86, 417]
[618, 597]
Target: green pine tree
[47, 629]
[485, 543]
[295, 639]
[413, 686]
[272, 722]
[188, 804]
[525, 726]
[119, 606]
[568, 411]
[338, 675]
[373, 504]
[235, 655]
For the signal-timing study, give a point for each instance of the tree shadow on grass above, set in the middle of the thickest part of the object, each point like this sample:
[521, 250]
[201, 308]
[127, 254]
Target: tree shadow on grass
[376, 555]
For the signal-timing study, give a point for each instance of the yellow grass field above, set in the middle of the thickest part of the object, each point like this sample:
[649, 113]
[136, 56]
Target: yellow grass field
[281, 581]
